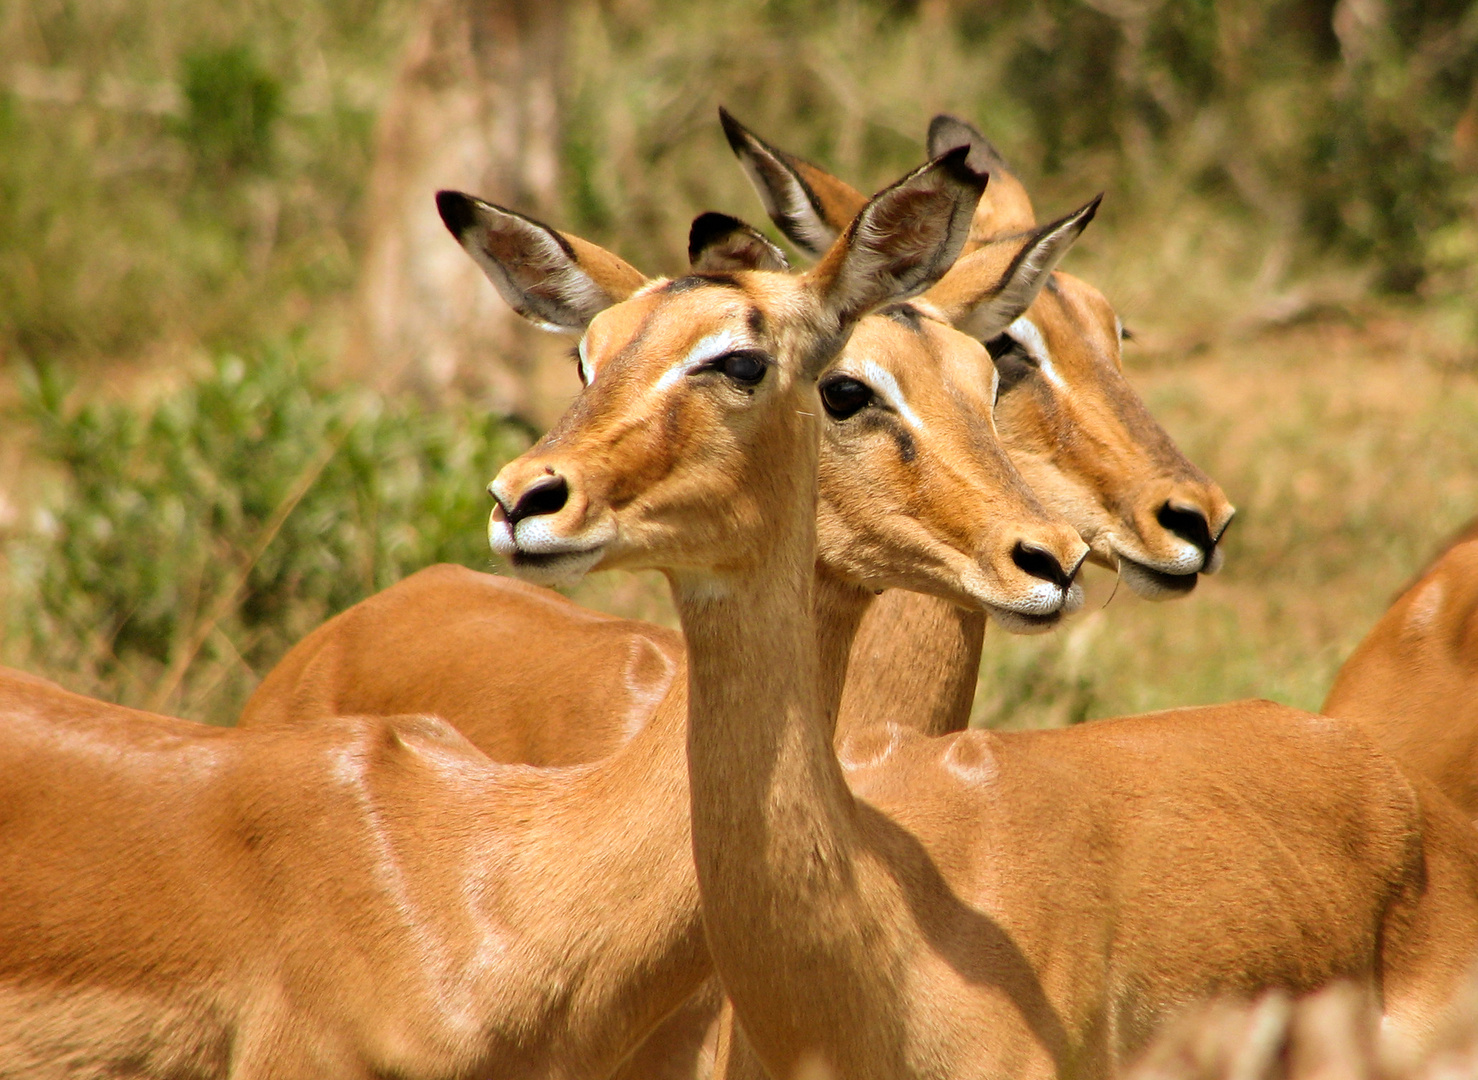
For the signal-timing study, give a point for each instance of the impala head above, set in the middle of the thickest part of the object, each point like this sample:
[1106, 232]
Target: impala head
[1071, 422]
[912, 473]
[702, 395]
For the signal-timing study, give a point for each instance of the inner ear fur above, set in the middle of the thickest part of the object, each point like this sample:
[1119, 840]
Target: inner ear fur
[903, 241]
[556, 281]
[807, 204]
[719, 243]
[989, 289]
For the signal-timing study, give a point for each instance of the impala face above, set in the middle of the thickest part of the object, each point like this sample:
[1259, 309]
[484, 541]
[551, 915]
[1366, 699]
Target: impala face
[1085, 441]
[1068, 418]
[696, 408]
[674, 451]
[915, 488]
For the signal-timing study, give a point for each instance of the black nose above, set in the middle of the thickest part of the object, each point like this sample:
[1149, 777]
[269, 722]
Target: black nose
[1041, 563]
[548, 496]
[1188, 524]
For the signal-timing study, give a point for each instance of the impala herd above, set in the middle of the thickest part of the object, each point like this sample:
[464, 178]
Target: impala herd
[468, 828]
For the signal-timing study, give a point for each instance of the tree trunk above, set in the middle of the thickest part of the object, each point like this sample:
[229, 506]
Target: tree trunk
[475, 107]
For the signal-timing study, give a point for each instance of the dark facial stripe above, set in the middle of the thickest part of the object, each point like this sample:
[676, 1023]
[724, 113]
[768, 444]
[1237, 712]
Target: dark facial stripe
[905, 315]
[756, 320]
[700, 281]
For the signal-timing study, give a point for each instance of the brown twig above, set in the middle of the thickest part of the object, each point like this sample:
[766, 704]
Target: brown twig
[228, 599]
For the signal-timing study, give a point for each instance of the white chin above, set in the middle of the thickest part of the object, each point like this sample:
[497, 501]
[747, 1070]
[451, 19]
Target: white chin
[561, 568]
[1153, 584]
[1074, 599]
[1014, 622]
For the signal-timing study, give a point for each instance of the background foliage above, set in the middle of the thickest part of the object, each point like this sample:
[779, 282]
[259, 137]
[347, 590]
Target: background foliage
[184, 489]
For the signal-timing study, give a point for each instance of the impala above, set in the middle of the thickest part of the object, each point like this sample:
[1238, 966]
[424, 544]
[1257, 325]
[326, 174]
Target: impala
[1073, 425]
[373, 896]
[493, 657]
[974, 904]
[1413, 682]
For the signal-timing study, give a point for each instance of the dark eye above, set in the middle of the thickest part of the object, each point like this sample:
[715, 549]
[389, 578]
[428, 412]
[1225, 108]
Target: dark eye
[1013, 363]
[746, 366]
[845, 397]
[579, 367]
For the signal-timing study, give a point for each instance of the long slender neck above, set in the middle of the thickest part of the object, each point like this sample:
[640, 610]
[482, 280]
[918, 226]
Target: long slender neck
[840, 609]
[915, 661]
[776, 832]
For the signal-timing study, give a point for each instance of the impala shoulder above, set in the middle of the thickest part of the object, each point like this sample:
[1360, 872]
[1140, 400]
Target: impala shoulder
[1442, 607]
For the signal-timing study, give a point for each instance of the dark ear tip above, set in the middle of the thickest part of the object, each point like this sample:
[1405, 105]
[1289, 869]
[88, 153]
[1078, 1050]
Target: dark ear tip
[944, 121]
[1091, 210]
[737, 134]
[458, 211]
[708, 227]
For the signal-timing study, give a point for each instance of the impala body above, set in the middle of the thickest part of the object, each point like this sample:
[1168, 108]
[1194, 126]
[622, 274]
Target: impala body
[977, 904]
[1413, 682]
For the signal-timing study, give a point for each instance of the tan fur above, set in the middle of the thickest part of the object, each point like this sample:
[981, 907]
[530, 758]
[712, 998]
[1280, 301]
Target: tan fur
[466, 647]
[983, 905]
[1413, 682]
[343, 899]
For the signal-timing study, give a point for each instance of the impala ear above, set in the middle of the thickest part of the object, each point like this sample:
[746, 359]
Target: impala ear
[902, 242]
[557, 282]
[1008, 208]
[989, 289]
[718, 242]
[947, 132]
[806, 203]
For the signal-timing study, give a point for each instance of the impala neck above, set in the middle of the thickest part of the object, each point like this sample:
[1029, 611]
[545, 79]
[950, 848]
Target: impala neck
[915, 661]
[775, 829]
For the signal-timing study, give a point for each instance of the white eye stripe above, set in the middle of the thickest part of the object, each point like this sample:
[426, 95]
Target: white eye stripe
[709, 348]
[586, 371]
[886, 387]
[1025, 333]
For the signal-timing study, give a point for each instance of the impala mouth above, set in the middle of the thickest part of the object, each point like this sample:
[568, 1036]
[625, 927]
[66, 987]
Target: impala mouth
[1021, 622]
[1154, 584]
[554, 567]
[1040, 617]
[541, 558]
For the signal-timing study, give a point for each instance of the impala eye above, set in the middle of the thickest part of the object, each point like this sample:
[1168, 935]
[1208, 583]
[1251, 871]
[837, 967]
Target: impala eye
[1013, 363]
[845, 397]
[746, 367]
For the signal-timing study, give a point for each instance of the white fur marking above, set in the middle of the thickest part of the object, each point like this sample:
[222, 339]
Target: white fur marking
[710, 348]
[1025, 333]
[586, 371]
[1425, 606]
[886, 387]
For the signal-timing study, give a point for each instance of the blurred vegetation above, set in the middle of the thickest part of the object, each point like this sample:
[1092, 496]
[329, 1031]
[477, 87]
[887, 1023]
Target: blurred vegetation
[180, 195]
[188, 544]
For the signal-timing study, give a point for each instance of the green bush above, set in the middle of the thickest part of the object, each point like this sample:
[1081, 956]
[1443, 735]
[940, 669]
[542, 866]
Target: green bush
[231, 105]
[188, 544]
